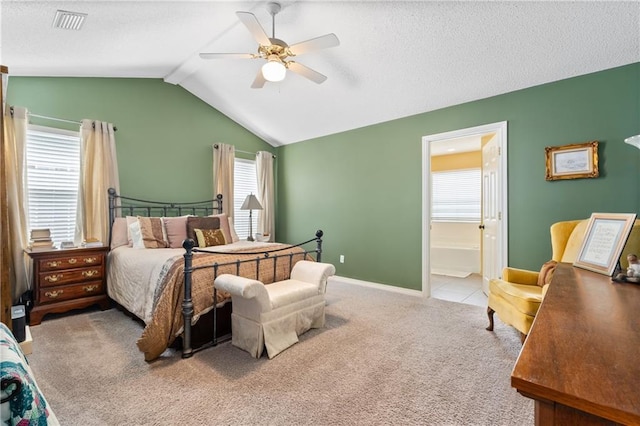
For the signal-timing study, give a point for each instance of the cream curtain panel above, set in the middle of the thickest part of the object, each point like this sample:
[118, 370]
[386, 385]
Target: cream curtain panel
[98, 173]
[223, 165]
[15, 137]
[266, 195]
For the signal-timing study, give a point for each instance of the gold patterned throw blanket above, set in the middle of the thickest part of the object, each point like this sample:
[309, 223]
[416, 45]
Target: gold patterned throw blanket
[167, 321]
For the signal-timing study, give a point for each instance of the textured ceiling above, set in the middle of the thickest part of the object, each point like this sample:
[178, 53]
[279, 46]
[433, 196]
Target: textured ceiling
[395, 58]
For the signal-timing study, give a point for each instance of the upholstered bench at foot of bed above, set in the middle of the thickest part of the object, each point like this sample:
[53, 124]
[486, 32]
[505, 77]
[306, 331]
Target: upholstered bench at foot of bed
[274, 315]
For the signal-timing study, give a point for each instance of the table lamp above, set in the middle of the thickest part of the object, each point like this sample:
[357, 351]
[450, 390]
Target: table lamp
[634, 141]
[251, 203]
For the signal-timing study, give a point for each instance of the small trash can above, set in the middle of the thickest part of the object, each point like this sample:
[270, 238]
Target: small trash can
[19, 321]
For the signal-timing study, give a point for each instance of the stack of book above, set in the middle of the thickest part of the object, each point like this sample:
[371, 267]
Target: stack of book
[90, 243]
[40, 239]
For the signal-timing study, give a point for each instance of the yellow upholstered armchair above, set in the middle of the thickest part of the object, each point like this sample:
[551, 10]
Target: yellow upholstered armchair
[516, 296]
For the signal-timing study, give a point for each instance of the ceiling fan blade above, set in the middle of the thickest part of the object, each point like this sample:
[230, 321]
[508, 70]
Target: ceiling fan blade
[307, 72]
[227, 56]
[322, 42]
[254, 27]
[259, 81]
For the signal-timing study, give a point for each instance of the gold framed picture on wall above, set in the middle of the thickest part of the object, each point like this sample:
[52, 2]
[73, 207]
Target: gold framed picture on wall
[574, 161]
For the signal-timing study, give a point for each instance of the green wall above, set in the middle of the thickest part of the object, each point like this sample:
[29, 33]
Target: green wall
[164, 133]
[363, 187]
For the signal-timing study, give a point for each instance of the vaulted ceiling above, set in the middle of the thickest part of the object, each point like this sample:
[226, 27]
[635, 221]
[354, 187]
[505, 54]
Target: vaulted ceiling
[395, 58]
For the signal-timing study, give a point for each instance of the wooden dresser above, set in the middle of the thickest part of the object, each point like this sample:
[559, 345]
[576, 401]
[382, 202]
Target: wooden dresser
[581, 360]
[66, 279]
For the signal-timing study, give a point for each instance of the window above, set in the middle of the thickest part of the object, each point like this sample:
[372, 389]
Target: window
[53, 173]
[456, 195]
[245, 183]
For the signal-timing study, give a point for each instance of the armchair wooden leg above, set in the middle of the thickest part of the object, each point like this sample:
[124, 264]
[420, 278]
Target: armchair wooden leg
[523, 337]
[490, 313]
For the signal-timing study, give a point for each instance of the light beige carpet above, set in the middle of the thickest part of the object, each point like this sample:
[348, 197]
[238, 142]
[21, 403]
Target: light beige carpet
[382, 359]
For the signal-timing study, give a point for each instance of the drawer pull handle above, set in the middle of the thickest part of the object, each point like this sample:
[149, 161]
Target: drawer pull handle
[90, 288]
[72, 261]
[54, 294]
[54, 264]
[90, 273]
[90, 260]
[53, 278]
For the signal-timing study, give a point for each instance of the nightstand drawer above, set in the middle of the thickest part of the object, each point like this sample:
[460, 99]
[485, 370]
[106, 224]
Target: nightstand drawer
[55, 278]
[67, 292]
[68, 262]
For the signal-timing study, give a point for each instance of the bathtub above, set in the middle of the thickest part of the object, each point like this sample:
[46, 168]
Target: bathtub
[456, 260]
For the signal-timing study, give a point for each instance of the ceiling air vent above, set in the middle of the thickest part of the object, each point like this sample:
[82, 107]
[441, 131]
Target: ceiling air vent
[66, 20]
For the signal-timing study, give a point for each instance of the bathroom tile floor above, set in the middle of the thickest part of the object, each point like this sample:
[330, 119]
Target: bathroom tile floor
[463, 290]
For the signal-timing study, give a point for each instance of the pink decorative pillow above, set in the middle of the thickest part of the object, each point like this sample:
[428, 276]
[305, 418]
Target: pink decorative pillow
[224, 226]
[119, 234]
[176, 229]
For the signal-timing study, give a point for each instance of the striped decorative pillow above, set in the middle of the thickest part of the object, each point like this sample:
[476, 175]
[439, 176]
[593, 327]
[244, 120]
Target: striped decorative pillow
[152, 232]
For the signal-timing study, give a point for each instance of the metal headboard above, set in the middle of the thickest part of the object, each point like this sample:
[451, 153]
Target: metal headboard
[120, 206]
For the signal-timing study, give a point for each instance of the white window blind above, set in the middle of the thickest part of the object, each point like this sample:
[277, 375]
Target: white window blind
[456, 195]
[245, 183]
[53, 173]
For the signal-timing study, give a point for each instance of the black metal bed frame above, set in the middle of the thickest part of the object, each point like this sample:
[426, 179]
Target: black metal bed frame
[256, 257]
[117, 208]
[161, 208]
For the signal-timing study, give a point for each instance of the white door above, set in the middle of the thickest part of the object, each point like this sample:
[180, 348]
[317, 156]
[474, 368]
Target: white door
[495, 220]
[491, 214]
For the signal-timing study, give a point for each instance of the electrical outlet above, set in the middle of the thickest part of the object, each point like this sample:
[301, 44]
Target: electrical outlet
[342, 258]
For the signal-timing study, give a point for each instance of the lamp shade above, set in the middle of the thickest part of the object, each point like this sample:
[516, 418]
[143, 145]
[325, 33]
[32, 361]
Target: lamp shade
[633, 140]
[251, 203]
[274, 69]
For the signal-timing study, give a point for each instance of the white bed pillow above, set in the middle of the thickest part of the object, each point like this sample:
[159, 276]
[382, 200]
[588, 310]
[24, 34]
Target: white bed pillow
[130, 220]
[232, 231]
[136, 235]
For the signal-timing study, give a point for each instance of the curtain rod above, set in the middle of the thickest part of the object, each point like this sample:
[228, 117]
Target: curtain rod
[115, 129]
[243, 152]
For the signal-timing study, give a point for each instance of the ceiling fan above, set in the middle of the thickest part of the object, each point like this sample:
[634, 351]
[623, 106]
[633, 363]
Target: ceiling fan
[276, 52]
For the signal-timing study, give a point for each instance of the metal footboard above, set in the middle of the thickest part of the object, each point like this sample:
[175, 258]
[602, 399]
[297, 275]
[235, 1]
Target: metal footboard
[243, 257]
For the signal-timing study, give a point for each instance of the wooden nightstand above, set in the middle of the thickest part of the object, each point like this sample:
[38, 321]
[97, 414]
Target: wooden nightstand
[65, 279]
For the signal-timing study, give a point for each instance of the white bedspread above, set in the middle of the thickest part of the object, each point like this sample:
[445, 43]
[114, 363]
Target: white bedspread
[133, 274]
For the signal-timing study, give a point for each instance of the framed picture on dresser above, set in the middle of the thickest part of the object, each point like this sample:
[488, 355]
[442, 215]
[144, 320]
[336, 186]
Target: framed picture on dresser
[605, 237]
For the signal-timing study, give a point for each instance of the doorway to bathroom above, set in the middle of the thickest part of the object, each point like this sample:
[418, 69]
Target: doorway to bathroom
[464, 212]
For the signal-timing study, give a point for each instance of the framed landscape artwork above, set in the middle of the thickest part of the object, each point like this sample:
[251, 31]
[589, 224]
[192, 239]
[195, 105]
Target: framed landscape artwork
[573, 161]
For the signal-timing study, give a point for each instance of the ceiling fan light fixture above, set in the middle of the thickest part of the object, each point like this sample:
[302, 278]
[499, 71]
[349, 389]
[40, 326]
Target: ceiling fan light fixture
[274, 70]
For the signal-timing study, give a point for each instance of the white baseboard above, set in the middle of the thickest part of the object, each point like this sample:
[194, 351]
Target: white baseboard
[385, 287]
[450, 273]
